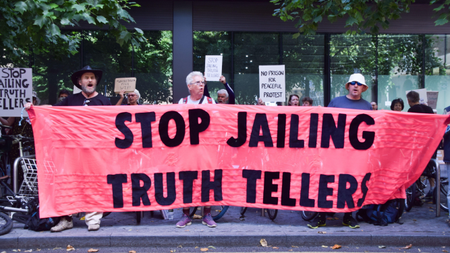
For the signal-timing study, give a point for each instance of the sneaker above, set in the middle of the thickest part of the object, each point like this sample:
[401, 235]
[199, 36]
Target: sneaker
[185, 221]
[93, 227]
[63, 224]
[350, 222]
[319, 221]
[208, 221]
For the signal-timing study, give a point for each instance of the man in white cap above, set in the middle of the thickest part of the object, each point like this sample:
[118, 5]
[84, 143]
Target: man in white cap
[356, 85]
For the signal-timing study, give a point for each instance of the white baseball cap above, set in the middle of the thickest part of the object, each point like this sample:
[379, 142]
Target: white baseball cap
[357, 77]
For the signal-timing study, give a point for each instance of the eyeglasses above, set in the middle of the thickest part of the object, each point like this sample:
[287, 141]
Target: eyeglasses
[199, 83]
[86, 102]
[355, 83]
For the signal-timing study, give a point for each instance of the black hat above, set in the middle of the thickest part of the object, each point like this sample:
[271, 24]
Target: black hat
[75, 76]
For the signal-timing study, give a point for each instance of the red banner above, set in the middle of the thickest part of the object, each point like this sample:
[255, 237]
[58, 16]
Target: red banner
[136, 158]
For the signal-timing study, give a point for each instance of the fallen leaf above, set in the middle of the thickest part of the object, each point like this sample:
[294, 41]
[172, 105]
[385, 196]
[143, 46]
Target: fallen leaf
[196, 247]
[330, 218]
[336, 246]
[324, 246]
[204, 249]
[171, 251]
[14, 250]
[407, 246]
[92, 250]
[293, 246]
[30, 250]
[321, 232]
[414, 220]
[275, 247]
[263, 242]
[336, 218]
[444, 250]
[211, 247]
[196, 216]
[381, 247]
[69, 248]
[180, 246]
[132, 251]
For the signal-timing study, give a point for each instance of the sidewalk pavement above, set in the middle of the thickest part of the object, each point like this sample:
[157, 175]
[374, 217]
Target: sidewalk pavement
[420, 227]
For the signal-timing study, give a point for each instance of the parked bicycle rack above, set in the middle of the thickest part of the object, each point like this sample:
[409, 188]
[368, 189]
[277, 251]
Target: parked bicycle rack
[29, 186]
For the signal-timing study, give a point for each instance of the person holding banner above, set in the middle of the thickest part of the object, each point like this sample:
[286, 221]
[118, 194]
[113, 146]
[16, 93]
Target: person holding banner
[356, 85]
[85, 79]
[294, 100]
[196, 84]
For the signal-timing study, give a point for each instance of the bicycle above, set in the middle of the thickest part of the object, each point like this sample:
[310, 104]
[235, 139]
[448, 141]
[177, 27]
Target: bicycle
[272, 213]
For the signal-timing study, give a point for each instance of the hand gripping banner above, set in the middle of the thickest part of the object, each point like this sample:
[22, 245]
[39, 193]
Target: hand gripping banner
[136, 158]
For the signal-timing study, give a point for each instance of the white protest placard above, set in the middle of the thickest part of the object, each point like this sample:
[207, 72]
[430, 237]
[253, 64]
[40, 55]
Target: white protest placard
[272, 83]
[16, 87]
[127, 84]
[213, 67]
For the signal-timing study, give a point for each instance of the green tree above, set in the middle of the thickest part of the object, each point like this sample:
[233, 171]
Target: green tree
[360, 14]
[34, 26]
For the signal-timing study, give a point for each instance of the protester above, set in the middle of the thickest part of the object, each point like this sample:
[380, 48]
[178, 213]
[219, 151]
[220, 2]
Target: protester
[447, 158]
[133, 98]
[260, 102]
[85, 79]
[224, 96]
[294, 100]
[374, 106]
[414, 102]
[307, 101]
[356, 85]
[397, 105]
[62, 95]
[196, 83]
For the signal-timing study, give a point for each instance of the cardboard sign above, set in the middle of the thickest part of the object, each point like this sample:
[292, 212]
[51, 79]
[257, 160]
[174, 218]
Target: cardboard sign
[213, 67]
[171, 156]
[432, 97]
[16, 89]
[127, 84]
[272, 80]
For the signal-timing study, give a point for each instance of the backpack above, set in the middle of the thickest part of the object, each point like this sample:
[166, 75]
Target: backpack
[32, 220]
[382, 215]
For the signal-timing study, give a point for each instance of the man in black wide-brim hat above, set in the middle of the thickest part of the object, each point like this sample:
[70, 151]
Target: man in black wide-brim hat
[86, 79]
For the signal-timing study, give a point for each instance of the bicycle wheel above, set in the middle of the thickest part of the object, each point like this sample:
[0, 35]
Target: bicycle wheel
[444, 192]
[6, 223]
[272, 213]
[217, 212]
[410, 196]
[307, 215]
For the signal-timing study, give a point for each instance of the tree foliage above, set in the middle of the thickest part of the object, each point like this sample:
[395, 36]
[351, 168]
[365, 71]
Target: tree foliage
[361, 16]
[36, 25]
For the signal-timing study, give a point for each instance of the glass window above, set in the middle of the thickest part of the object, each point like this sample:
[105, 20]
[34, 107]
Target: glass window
[213, 43]
[348, 55]
[303, 58]
[399, 66]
